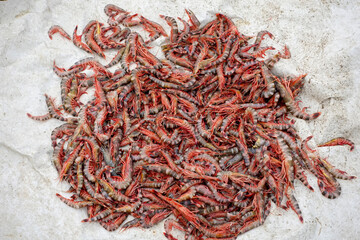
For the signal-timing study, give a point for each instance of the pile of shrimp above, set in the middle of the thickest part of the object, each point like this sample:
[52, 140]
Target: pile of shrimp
[206, 134]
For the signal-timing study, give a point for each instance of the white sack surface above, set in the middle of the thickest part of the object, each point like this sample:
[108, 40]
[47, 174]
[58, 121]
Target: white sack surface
[323, 37]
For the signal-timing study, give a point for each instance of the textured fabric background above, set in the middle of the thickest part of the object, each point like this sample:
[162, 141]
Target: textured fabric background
[323, 37]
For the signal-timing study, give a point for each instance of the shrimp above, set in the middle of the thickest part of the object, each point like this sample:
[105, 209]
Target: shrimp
[57, 29]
